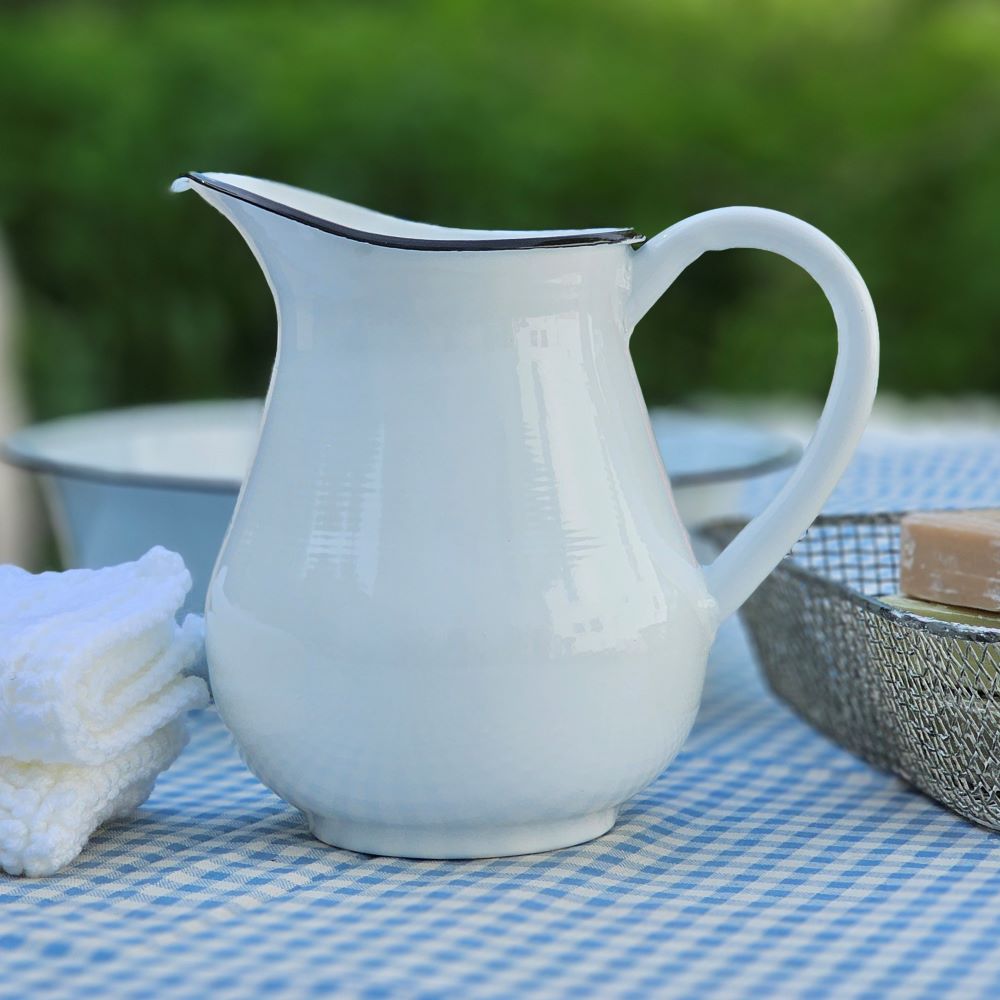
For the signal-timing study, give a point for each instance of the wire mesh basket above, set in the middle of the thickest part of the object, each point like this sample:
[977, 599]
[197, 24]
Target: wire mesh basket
[917, 697]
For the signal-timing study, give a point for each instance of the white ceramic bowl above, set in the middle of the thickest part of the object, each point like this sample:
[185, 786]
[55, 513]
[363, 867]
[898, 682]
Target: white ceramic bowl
[120, 481]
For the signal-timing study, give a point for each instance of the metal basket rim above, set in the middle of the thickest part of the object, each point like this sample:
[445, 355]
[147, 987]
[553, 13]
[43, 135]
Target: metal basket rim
[950, 630]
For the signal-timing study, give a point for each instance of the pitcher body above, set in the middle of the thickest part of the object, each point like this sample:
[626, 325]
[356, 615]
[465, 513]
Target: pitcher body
[456, 613]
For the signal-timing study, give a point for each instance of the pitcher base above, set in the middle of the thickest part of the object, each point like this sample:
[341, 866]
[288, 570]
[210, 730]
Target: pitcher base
[460, 842]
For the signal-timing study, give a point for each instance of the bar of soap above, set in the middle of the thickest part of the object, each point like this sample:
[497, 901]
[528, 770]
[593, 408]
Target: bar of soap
[963, 661]
[942, 612]
[951, 557]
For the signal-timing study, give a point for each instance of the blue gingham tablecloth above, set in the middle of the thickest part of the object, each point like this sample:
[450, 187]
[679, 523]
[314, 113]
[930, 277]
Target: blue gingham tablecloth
[764, 862]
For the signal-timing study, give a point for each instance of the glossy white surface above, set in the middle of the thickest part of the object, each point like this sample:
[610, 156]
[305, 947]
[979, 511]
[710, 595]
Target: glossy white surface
[476, 619]
[738, 571]
[118, 482]
[201, 446]
[209, 446]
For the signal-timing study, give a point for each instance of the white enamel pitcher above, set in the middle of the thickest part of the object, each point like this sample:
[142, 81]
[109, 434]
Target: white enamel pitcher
[456, 614]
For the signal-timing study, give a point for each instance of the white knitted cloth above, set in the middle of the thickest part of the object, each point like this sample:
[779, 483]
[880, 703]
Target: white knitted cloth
[49, 811]
[92, 700]
[92, 661]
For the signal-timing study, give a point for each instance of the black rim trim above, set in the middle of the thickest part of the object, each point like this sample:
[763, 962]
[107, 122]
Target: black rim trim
[154, 481]
[407, 243]
[751, 470]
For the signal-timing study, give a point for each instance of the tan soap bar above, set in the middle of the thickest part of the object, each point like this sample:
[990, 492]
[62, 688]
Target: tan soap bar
[952, 557]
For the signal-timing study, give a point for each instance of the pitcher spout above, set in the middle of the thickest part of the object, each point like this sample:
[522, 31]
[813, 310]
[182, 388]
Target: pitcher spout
[341, 267]
[364, 225]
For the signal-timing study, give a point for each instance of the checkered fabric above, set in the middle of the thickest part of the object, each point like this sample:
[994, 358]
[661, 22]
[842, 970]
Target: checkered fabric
[764, 862]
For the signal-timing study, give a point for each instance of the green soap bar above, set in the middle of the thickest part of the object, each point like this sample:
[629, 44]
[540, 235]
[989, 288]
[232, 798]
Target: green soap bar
[967, 664]
[942, 612]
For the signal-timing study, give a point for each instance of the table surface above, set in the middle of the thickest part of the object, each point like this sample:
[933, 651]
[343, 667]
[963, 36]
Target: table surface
[764, 862]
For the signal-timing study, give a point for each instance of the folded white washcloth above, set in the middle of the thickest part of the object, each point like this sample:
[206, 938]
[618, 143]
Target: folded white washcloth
[92, 700]
[48, 811]
[93, 661]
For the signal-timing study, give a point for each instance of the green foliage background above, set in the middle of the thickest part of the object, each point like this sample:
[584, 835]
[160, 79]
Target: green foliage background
[877, 120]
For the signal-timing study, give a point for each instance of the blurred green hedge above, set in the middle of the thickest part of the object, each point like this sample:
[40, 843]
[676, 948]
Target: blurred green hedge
[877, 120]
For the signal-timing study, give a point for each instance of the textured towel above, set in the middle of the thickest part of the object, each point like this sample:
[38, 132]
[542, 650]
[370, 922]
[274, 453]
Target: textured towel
[92, 661]
[92, 700]
[48, 811]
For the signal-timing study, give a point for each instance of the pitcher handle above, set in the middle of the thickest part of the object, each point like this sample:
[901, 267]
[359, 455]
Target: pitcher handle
[763, 543]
